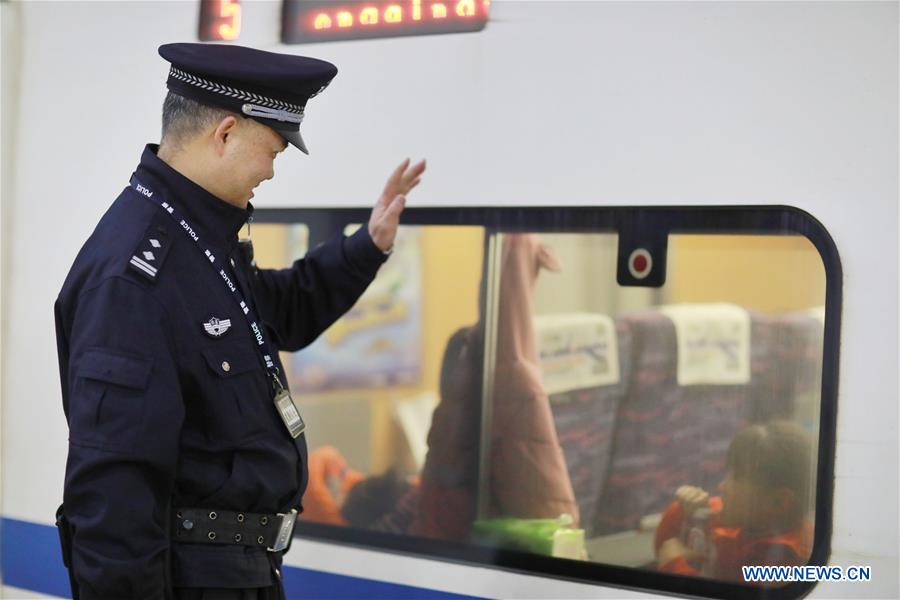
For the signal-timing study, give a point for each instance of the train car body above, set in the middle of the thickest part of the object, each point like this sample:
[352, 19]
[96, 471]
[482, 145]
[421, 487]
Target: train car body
[592, 119]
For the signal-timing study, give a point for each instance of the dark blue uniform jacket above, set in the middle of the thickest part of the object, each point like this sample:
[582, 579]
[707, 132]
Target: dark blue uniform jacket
[161, 413]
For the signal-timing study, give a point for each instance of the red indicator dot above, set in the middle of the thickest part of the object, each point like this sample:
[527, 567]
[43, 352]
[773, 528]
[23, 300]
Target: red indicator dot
[640, 263]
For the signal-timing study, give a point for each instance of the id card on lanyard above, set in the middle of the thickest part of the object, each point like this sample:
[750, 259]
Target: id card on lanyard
[284, 403]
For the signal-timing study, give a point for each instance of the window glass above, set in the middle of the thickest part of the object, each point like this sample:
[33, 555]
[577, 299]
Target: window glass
[369, 385]
[662, 428]
[502, 390]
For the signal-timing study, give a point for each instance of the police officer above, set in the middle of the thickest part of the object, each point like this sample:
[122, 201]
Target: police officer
[187, 457]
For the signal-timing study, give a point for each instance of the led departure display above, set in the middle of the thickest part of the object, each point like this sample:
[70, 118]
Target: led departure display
[307, 21]
[220, 20]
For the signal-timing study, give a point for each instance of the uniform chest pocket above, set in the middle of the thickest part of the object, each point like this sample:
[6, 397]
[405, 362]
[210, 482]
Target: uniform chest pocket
[107, 406]
[235, 409]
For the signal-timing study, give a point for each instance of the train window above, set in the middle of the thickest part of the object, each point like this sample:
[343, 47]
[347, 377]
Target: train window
[627, 397]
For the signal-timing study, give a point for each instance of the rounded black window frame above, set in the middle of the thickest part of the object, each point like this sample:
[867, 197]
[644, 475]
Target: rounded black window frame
[324, 223]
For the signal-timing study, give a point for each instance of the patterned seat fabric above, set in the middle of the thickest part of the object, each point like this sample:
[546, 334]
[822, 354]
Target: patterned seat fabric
[666, 434]
[585, 423]
[799, 346]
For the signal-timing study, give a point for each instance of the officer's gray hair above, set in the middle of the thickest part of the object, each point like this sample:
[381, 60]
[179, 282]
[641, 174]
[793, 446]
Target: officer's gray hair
[183, 117]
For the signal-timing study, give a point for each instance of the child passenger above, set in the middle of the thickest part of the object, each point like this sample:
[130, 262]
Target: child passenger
[760, 517]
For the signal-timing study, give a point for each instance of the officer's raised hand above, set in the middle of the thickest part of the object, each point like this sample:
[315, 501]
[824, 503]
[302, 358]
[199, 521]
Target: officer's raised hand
[386, 213]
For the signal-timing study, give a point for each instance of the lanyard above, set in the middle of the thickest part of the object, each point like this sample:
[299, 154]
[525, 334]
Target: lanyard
[262, 346]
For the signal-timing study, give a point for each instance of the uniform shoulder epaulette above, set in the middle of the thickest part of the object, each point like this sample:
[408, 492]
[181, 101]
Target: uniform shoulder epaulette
[150, 254]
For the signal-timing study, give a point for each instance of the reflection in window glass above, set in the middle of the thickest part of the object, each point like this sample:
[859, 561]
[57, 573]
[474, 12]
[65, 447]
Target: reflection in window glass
[503, 390]
[369, 385]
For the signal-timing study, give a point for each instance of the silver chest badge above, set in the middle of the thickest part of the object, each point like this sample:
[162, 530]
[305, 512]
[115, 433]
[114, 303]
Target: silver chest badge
[217, 327]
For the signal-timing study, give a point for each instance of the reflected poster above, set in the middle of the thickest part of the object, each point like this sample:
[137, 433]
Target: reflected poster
[378, 342]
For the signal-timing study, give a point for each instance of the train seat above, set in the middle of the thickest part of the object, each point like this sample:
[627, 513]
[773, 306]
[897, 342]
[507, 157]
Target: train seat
[698, 374]
[583, 375]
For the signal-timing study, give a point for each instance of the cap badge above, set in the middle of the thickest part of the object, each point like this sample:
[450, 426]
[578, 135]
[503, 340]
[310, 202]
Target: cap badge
[217, 327]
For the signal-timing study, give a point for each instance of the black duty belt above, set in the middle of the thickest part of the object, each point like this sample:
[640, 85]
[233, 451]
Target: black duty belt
[213, 526]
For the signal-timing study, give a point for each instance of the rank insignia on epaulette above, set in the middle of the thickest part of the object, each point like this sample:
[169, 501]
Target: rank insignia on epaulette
[150, 254]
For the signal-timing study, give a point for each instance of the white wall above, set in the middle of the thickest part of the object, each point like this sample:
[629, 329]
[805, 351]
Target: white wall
[554, 103]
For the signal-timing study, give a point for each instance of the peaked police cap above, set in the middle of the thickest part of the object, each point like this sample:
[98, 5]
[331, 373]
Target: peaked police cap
[268, 87]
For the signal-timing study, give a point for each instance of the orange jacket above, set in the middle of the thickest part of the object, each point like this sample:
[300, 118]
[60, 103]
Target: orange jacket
[327, 465]
[734, 548]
